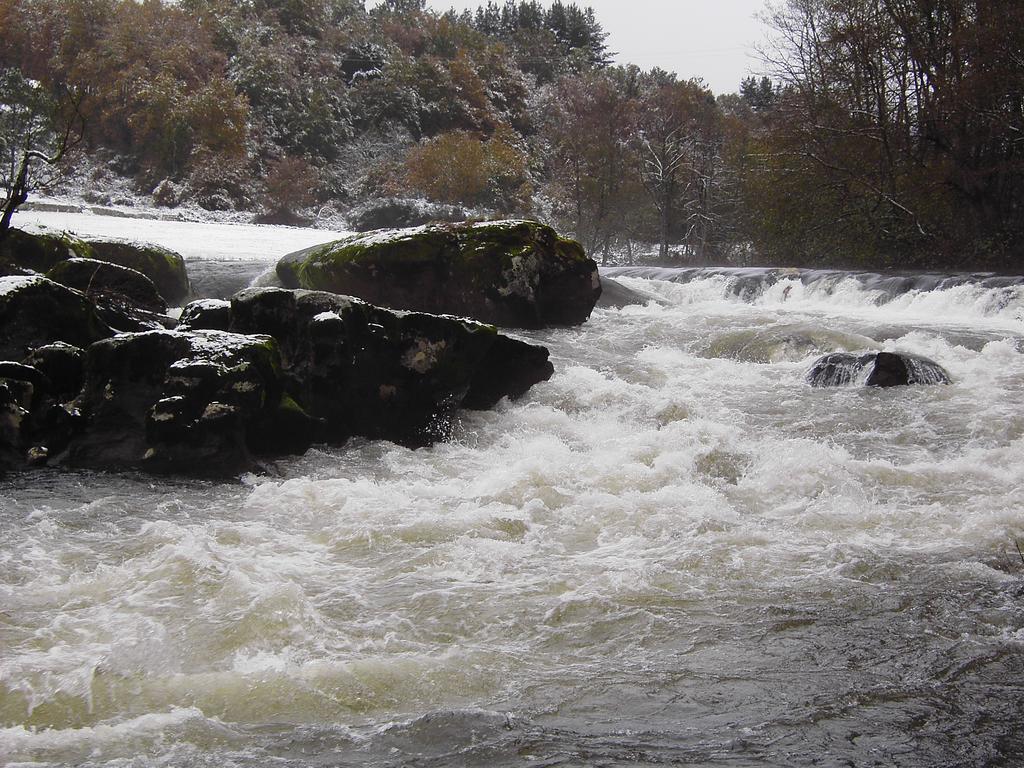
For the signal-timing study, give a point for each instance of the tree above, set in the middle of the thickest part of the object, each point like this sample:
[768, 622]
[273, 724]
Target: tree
[459, 167]
[290, 185]
[590, 126]
[35, 129]
[678, 149]
[897, 132]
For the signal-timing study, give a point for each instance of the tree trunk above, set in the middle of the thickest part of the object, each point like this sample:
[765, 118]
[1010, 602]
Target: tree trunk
[16, 197]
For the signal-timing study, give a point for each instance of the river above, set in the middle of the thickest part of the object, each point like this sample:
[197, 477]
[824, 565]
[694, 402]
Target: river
[674, 552]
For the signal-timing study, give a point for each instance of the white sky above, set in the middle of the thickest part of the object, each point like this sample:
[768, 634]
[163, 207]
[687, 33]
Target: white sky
[712, 39]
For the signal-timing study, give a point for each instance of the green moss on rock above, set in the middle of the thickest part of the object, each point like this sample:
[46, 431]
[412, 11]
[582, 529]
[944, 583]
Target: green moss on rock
[164, 267]
[511, 273]
[41, 251]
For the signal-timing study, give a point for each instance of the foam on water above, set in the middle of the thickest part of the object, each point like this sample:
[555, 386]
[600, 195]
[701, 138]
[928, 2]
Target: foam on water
[668, 550]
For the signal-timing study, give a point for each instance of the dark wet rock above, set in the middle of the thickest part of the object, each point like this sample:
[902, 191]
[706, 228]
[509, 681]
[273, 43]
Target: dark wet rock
[163, 266]
[875, 369]
[40, 251]
[365, 370]
[509, 369]
[13, 270]
[25, 373]
[104, 280]
[62, 365]
[378, 373]
[198, 403]
[15, 401]
[35, 311]
[44, 424]
[398, 213]
[206, 314]
[510, 273]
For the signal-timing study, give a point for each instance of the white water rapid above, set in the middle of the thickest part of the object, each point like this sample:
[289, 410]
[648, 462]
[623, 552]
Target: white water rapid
[674, 552]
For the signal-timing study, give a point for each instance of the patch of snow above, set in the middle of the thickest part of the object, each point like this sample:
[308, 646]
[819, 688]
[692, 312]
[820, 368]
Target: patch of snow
[196, 241]
[17, 282]
[325, 317]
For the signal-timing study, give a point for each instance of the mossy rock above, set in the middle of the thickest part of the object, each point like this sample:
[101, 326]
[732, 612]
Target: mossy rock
[197, 403]
[103, 279]
[41, 251]
[510, 273]
[164, 267]
[35, 311]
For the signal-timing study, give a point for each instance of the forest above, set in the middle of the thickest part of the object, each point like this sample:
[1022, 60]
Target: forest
[884, 134]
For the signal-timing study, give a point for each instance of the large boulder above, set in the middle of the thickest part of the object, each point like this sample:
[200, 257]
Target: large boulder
[509, 369]
[163, 266]
[62, 364]
[875, 369]
[378, 373]
[510, 273]
[35, 311]
[40, 251]
[102, 279]
[200, 403]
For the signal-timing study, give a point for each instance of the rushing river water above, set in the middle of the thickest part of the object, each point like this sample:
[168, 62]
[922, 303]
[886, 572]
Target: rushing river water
[674, 552]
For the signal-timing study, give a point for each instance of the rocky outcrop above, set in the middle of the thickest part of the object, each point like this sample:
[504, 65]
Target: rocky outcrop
[509, 273]
[200, 403]
[34, 424]
[41, 252]
[377, 373]
[875, 369]
[297, 367]
[35, 311]
[163, 266]
[509, 369]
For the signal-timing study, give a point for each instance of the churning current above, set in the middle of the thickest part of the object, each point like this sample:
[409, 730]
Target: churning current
[674, 552]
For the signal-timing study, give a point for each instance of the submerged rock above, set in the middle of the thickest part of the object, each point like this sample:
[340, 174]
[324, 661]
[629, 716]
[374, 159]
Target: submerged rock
[875, 369]
[510, 273]
[790, 342]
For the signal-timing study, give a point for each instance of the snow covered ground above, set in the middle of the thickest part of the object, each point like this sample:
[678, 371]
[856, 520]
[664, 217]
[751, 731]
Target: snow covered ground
[221, 258]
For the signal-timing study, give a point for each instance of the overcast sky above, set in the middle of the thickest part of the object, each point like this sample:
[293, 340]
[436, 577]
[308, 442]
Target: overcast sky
[712, 39]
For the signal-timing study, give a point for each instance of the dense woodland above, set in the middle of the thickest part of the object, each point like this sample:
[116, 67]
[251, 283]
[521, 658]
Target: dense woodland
[885, 133]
